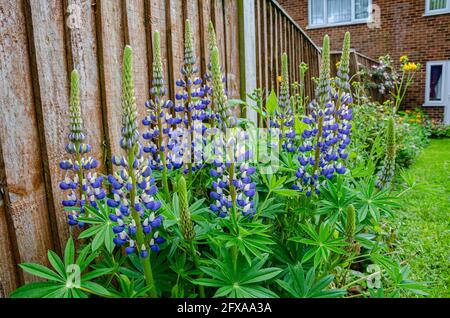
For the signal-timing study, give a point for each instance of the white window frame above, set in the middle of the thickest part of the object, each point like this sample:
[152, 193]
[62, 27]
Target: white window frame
[438, 11]
[325, 16]
[441, 102]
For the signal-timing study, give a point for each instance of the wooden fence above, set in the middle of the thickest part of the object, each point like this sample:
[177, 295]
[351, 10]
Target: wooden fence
[43, 40]
[277, 32]
[358, 62]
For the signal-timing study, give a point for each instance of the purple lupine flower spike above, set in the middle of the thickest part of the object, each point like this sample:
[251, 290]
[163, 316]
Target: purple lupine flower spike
[83, 186]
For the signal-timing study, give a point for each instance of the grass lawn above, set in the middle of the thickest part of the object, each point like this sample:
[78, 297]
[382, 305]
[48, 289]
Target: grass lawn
[424, 233]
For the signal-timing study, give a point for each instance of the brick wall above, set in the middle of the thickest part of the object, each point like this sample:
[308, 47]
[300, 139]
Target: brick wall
[404, 30]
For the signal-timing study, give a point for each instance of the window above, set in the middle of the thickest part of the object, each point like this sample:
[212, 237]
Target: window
[434, 91]
[338, 12]
[433, 7]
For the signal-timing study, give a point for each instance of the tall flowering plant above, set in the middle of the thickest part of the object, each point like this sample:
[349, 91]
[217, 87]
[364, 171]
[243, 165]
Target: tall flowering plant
[329, 123]
[284, 116]
[83, 185]
[191, 103]
[134, 202]
[159, 119]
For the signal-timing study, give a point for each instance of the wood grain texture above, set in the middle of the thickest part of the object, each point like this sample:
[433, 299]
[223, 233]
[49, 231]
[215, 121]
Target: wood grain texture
[110, 37]
[232, 47]
[26, 210]
[135, 36]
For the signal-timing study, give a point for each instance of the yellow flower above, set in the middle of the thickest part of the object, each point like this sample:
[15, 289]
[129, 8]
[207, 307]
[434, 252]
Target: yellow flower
[410, 67]
[404, 59]
[279, 78]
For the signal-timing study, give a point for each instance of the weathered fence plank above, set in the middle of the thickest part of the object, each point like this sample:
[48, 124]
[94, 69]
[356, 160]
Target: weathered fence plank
[25, 205]
[135, 35]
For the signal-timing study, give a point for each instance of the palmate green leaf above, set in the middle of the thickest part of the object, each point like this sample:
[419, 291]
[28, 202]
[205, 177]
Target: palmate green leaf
[299, 285]
[245, 282]
[321, 244]
[369, 200]
[41, 271]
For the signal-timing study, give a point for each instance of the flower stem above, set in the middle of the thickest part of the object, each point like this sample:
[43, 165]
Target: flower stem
[234, 249]
[201, 289]
[140, 237]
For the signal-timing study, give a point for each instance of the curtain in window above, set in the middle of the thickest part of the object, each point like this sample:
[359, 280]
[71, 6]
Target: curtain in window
[339, 11]
[438, 4]
[361, 9]
[317, 12]
[435, 82]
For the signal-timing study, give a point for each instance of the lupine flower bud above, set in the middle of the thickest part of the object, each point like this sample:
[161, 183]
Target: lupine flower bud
[386, 174]
[186, 225]
[350, 226]
[227, 120]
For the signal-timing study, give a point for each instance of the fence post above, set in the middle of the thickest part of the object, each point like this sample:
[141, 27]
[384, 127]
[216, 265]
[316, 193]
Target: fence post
[247, 52]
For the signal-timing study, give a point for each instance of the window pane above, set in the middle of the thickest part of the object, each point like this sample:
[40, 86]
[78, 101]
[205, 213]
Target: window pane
[361, 9]
[317, 12]
[436, 83]
[438, 4]
[339, 11]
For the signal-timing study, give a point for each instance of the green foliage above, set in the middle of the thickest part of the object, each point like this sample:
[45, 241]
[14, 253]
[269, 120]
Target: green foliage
[331, 244]
[65, 280]
[322, 243]
[299, 284]
[245, 282]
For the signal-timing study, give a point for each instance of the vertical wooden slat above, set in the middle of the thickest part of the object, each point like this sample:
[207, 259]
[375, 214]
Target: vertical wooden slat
[133, 12]
[24, 205]
[46, 34]
[10, 277]
[110, 37]
[271, 47]
[204, 8]
[265, 53]
[258, 43]
[232, 47]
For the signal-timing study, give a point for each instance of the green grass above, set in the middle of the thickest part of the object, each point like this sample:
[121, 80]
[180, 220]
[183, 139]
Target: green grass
[424, 223]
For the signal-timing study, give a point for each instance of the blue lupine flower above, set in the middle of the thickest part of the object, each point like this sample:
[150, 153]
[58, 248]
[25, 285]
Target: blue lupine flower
[329, 124]
[133, 204]
[84, 186]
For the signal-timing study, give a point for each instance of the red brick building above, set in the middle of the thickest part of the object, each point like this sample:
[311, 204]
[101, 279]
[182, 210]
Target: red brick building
[417, 28]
